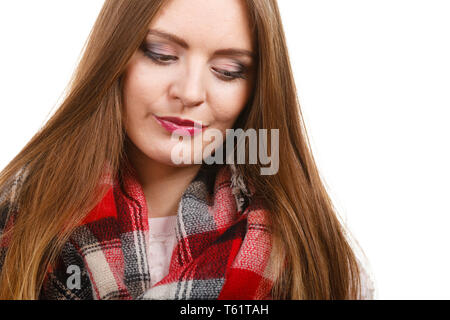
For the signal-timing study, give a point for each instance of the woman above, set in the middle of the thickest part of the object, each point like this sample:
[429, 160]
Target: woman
[83, 202]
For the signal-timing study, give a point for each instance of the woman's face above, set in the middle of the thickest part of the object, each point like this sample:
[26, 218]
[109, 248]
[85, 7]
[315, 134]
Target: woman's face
[194, 64]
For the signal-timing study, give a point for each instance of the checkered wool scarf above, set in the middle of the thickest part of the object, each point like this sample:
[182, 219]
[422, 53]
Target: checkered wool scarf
[222, 251]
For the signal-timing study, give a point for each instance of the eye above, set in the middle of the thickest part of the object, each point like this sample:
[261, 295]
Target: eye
[159, 58]
[224, 75]
[231, 75]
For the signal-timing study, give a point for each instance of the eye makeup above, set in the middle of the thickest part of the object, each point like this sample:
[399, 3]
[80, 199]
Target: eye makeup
[157, 54]
[227, 74]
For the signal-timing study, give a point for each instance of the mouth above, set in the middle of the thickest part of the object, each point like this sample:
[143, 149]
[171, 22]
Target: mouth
[183, 126]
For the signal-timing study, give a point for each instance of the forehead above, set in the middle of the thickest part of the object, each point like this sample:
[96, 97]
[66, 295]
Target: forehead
[211, 24]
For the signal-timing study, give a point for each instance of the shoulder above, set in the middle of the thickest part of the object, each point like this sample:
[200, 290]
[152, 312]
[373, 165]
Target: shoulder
[9, 194]
[9, 191]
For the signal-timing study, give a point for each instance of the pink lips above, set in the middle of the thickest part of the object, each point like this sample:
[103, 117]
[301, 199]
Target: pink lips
[184, 127]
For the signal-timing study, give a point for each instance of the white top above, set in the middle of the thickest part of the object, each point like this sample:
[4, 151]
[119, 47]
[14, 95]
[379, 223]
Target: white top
[162, 242]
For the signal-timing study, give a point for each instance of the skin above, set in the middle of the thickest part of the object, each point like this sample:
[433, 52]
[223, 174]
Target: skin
[189, 83]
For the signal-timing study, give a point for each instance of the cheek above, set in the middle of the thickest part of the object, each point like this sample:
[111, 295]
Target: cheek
[140, 89]
[228, 103]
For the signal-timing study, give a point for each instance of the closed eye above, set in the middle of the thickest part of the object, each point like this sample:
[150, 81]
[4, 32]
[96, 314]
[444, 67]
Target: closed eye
[224, 75]
[230, 75]
[159, 58]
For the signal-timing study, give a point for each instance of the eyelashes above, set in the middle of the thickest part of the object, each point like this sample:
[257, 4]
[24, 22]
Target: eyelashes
[162, 59]
[224, 75]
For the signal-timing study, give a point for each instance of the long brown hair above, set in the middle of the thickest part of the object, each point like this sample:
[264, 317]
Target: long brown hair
[66, 159]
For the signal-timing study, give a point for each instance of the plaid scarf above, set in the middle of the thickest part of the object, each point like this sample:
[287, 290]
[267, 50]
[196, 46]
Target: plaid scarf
[222, 251]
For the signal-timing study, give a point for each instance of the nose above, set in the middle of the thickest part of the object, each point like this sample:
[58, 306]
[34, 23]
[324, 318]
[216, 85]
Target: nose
[189, 87]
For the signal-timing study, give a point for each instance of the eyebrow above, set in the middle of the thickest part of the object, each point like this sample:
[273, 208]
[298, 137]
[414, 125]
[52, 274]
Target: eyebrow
[182, 43]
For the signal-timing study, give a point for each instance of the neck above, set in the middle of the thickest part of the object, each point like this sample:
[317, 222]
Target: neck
[163, 185]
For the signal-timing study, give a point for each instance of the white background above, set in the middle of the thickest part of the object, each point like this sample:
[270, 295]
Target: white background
[374, 86]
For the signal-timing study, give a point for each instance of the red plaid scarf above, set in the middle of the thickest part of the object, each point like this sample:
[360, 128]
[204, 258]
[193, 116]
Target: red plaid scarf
[222, 251]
